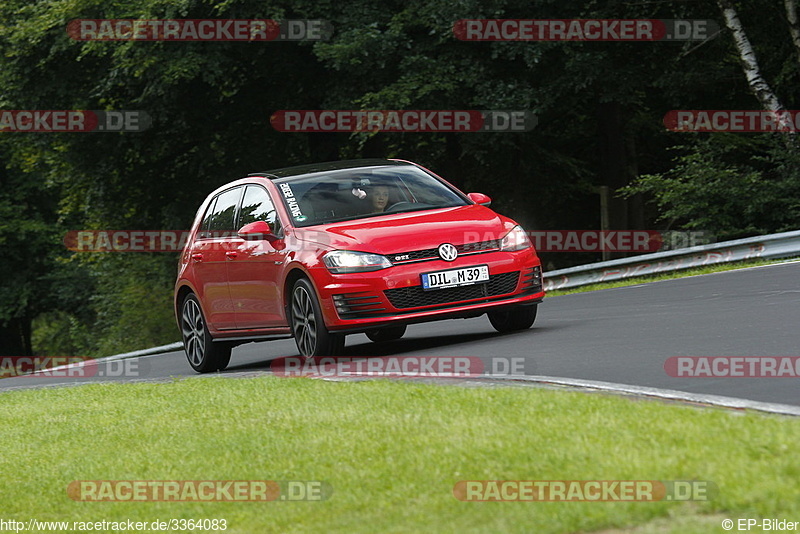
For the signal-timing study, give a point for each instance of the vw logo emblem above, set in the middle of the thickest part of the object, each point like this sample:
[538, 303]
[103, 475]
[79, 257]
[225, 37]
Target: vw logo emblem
[447, 252]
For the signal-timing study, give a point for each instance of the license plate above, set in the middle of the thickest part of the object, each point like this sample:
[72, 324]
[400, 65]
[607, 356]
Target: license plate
[455, 277]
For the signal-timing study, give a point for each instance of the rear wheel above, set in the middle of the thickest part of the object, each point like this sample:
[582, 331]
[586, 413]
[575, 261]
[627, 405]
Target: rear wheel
[389, 333]
[203, 354]
[308, 327]
[513, 319]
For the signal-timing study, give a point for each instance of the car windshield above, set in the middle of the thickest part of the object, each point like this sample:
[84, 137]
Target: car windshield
[357, 193]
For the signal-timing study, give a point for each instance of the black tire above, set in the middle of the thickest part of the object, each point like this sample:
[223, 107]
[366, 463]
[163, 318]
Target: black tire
[203, 354]
[389, 333]
[513, 319]
[310, 334]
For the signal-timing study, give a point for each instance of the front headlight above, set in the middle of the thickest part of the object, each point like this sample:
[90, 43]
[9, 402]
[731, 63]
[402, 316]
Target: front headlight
[349, 261]
[516, 239]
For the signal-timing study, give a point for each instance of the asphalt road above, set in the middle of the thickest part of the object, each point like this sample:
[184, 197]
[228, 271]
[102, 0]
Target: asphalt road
[622, 335]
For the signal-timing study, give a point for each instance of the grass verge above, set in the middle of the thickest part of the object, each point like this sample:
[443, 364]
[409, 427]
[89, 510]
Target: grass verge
[695, 271]
[392, 452]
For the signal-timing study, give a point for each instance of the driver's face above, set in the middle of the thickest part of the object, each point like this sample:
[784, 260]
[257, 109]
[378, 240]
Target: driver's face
[380, 197]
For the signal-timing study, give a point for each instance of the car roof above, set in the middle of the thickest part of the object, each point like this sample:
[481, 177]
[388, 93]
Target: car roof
[327, 166]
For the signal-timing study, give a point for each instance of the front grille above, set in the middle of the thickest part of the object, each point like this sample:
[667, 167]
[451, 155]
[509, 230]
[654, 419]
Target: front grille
[415, 296]
[433, 253]
[481, 246]
[532, 280]
[357, 305]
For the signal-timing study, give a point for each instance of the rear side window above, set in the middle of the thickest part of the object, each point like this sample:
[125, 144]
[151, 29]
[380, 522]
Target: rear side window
[257, 206]
[205, 227]
[222, 218]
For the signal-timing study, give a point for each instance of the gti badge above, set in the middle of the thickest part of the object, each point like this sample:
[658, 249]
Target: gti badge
[447, 252]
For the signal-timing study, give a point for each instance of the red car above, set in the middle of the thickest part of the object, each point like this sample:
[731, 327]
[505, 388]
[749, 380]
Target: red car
[321, 251]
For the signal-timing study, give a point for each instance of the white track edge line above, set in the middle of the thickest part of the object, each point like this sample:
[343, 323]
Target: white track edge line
[667, 394]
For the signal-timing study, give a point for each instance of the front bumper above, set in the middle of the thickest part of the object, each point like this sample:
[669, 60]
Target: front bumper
[359, 301]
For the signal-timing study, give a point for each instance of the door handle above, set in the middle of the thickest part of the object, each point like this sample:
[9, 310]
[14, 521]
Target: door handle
[197, 257]
[231, 254]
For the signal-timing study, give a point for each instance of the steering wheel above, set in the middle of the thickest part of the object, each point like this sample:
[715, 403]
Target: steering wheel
[397, 205]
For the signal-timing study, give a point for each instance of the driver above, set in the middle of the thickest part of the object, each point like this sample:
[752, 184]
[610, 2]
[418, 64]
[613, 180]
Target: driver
[374, 196]
[378, 197]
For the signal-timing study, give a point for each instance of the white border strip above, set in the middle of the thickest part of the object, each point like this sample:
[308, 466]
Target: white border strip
[178, 345]
[612, 387]
[620, 389]
[667, 394]
[124, 356]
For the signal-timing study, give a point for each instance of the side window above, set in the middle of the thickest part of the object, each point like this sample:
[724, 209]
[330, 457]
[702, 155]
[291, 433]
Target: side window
[205, 227]
[222, 218]
[257, 206]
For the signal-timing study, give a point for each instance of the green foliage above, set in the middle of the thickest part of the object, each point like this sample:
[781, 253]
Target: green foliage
[728, 186]
[58, 333]
[133, 302]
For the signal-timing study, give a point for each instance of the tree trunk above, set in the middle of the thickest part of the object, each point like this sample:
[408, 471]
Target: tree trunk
[614, 166]
[15, 337]
[636, 202]
[451, 164]
[794, 24]
[752, 72]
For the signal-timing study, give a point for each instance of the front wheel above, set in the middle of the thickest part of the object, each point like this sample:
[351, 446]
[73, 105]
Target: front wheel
[308, 327]
[203, 354]
[513, 319]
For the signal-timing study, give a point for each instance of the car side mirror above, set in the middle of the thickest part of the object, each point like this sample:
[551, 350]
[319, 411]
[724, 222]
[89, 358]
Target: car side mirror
[480, 198]
[257, 230]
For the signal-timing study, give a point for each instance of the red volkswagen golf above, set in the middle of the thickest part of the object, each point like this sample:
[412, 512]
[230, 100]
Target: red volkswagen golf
[321, 251]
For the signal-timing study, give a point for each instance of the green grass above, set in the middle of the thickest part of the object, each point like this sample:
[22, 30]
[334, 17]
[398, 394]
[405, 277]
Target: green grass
[392, 451]
[695, 271]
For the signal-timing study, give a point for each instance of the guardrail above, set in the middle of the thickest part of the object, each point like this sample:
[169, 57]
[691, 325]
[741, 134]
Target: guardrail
[783, 245]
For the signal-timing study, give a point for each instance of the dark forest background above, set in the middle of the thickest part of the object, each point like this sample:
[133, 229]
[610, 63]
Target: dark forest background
[600, 107]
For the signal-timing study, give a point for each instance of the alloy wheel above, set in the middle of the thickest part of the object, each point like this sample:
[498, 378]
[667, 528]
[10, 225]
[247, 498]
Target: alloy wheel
[304, 321]
[193, 330]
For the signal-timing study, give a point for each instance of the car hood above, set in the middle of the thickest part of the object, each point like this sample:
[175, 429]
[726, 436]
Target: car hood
[405, 232]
